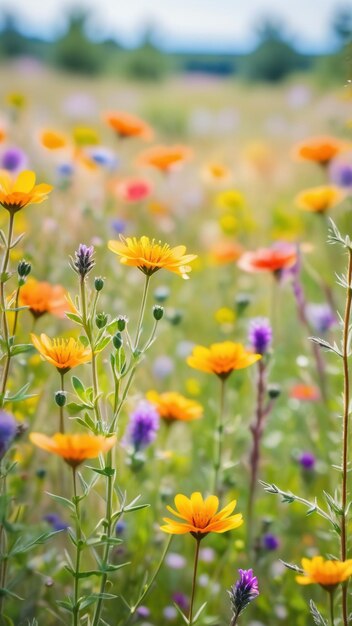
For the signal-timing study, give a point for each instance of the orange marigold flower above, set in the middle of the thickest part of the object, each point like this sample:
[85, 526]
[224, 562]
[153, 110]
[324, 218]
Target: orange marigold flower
[221, 358]
[319, 149]
[16, 194]
[150, 255]
[74, 449]
[268, 259]
[63, 353]
[309, 393]
[172, 406]
[327, 573]
[164, 158]
[42, 297]
[319, 199]
[128, 125]
[201, 516]
[53, 140]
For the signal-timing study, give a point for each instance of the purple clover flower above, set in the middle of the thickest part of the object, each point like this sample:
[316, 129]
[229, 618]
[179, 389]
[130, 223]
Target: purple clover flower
[143, 425]
[260, 334]
[83, 261]
[321, 317]
[243, 591]
[8, 431]
[307, 460]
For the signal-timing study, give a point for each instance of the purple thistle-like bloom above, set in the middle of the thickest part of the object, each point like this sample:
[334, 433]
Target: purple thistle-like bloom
[8, 431]
[307, 460]
[55, 521]
[13, 159]
[83, 261]
[143, 425]
[243, 591]
[260, 334]
[321, 317]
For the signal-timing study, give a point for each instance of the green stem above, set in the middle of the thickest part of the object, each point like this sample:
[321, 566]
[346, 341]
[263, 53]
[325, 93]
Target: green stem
[5, 328]
[14, 328]
[75, 616]
[331, 603]
[190, 617]
[88, 331]
[346, 395]
[141, 313]
[61, 408]
[219, 440]
[108, 531]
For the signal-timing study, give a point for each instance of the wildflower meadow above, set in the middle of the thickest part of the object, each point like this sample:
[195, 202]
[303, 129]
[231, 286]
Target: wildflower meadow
[175, 345]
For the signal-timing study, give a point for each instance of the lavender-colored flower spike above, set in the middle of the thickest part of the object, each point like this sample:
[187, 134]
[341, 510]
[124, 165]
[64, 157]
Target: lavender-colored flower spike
[83, 261]
[260, 334]
[243, 592]
[143, 425]
[321, 317]
[8, 431]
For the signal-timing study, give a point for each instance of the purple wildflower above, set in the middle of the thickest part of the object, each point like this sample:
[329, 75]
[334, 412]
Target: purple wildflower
[8, 431]
[83, 261]
[341, 174]
[270, 542]
[181, 600]
[55, 521]
[260, 334]
[307, 460]
[143, 425]
[143, 612]
[321, 317]
[13, 159]
[243, 591]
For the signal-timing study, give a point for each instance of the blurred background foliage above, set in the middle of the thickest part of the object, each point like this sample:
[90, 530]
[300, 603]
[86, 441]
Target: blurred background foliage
[274, 57]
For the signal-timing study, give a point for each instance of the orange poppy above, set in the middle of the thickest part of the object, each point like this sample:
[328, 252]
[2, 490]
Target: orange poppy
[128, 125]
[320, 150]
[42, 297]
[308, 393]
[268, 259]
[164, 158]
[172, 406]
[225, 252]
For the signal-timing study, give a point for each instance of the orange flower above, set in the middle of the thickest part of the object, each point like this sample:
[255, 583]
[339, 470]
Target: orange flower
[201, 516]
[226, 252]
[42, 297]
[74, 449]
[14, 195]
[268, 259]
[63, 353]
[327, 573]
[320, 199]
[172, 406]
[164, 158]
[150, 256]
[127, 125]
[303, 392]
[221, 358]
[216, 173]
[53, 140]
[319, 149]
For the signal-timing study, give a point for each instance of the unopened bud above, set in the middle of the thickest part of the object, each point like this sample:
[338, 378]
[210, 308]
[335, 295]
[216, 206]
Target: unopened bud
[158, 312]
[60, 398]
[117, 341]
[99, 283]
[122, 320]
[101, 319]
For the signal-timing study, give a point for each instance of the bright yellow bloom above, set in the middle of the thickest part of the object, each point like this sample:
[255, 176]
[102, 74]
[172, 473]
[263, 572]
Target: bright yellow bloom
[200, 517]
[172, 406]
[53, 140]
[328, 574]
[231, 199]
[225, 315]
[320, 199]
[14, 195]
[150, 255]
[63, 353]
[74, 449]
[221, 358]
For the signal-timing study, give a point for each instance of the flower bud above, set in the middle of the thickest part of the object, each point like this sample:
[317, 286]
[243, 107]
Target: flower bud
[83, 261]
[274, 391]
[242, 301]
[60, 398]
[158, 312]
[23, 269]
[101, 319]
[99, 283]
[122, 320]
[117, 341]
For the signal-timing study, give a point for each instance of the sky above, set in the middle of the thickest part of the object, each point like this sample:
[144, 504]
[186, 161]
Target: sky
[187, 24]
